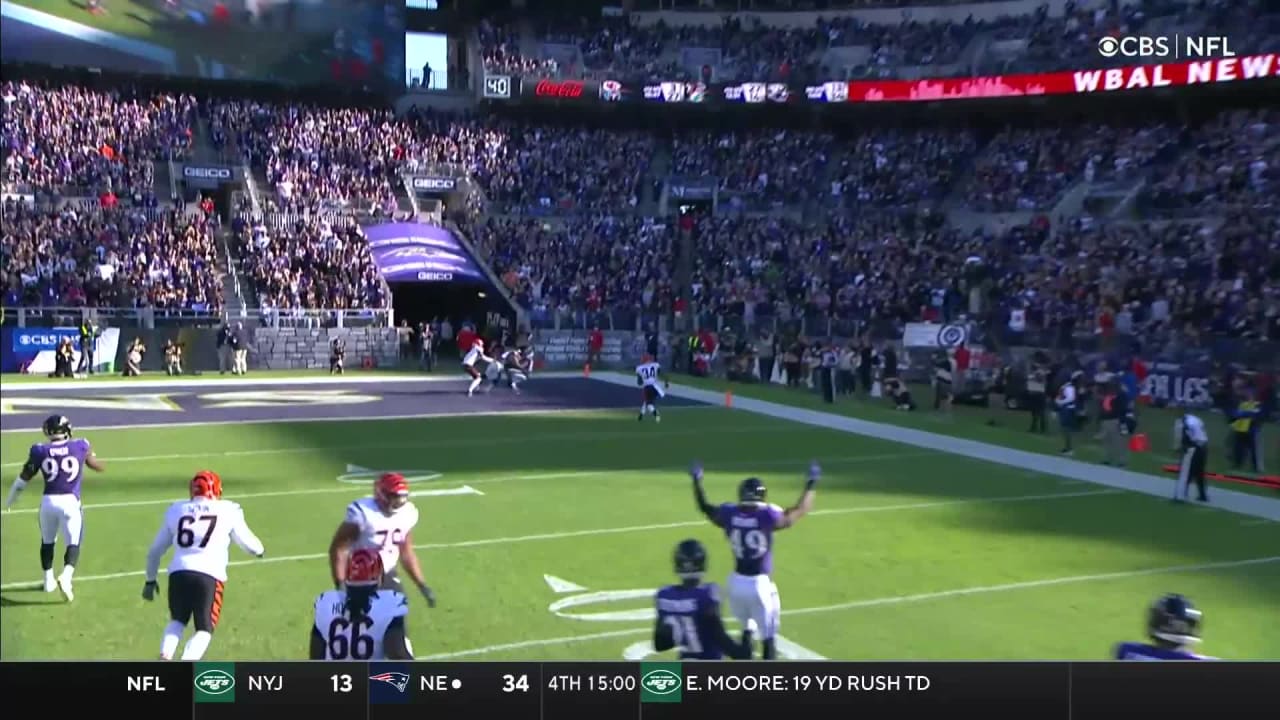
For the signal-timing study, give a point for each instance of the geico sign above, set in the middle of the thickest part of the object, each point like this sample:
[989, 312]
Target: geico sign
[207, 173]
[427, 183]
[435, 276]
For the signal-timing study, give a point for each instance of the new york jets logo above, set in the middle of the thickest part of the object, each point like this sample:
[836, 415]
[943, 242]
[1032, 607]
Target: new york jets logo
[660, 682]
[215, 682]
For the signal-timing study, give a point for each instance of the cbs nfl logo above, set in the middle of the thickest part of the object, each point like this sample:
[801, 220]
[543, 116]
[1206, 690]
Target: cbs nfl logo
[611, 91]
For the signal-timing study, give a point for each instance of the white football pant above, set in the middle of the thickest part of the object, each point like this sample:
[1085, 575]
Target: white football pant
[61, 514]
[753, 600]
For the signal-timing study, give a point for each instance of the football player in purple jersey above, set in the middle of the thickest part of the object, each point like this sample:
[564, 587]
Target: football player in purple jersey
[61, 460]
[689, 612]
[749, 525]
[1174, 625]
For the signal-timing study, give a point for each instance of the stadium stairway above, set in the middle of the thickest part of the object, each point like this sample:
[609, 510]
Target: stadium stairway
[236, 293]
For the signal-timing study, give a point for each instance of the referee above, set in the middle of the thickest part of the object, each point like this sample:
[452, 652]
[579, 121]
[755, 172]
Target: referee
[1194, 442]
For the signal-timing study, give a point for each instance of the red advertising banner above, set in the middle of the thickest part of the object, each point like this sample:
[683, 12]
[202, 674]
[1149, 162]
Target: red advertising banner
[1205, 72]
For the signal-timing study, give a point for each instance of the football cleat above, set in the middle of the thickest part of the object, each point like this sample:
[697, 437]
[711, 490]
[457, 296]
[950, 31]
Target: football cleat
[50, 583]
[690, 560]
[57, 427]
[1174, 619]
[752, 490]
[64, 587]
[364, 568]
[206, 484]
[391, 490]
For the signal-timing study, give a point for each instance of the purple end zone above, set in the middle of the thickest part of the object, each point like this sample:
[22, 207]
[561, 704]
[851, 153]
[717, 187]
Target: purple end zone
[24, 42]
[90, 407]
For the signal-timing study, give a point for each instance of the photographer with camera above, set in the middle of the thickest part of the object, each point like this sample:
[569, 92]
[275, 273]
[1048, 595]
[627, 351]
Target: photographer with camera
[63, 359]
[88, 343]
[172, 358]
[337, 353]
[133, 358]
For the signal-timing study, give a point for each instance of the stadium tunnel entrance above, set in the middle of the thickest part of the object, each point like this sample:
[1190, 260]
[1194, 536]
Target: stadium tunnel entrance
[460, 301]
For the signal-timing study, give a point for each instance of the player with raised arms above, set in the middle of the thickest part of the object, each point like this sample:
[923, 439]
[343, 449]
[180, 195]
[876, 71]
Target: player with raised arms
[361, 621]
[200, 531]
[649, 378]
[749, 524]
[1173, 624]
[382, 522]
[61, 460]
[689, 612]
[469, 362]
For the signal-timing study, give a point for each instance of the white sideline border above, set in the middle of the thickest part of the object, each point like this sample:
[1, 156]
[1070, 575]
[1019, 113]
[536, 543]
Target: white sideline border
[1226, 500]
[364, 377]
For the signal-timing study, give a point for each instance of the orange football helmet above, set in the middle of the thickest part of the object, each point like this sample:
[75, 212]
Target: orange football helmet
[364, 568]
[206, 484]
[391, 490]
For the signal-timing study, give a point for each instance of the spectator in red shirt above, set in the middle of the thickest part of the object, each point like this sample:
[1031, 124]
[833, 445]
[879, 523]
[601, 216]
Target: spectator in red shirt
[962, 358]
[466, 338]
[595, 346]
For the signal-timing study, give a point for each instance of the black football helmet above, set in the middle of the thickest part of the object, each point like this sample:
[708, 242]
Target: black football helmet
[690, 559]
[57, 427]
[1174, 619]
[752, 490]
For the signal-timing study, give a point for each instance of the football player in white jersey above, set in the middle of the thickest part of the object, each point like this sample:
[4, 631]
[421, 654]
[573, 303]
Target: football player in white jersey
[200, 531]
[362, 621]
[649, 378]
[469, 361]
[383, 523]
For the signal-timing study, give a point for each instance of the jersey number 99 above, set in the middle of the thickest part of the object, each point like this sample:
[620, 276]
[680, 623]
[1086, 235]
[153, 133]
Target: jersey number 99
[67, 468]
[350, 640]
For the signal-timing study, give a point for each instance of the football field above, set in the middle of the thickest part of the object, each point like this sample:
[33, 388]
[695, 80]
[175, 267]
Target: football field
[548, 522]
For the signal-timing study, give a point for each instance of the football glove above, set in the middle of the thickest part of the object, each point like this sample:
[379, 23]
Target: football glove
[815, 474]
[150, 590]
[428, 594]
[695, 471]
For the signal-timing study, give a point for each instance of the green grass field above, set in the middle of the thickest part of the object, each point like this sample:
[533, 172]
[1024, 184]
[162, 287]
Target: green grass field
[913, 554]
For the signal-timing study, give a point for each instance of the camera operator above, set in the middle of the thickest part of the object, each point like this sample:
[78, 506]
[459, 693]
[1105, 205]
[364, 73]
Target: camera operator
[898, 393]
[337, 353]
[829, 360]
[1037, 393]
[88, 338]
[133, 358]
[63, 357]
[172, 358]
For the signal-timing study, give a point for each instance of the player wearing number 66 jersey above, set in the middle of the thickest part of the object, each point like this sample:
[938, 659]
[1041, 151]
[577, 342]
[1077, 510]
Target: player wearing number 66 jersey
[363, 620]
[383, 523]
[749, 524]
[689, 613]
[61, 461]
[200, 531]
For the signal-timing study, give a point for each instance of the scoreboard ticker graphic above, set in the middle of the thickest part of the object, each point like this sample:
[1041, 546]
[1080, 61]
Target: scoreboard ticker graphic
[654, 690]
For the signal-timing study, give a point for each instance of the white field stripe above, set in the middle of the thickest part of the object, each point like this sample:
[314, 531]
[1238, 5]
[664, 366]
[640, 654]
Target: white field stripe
[542, 476]
[619, 531]
[222, 381]
[455, 442]
[893, 600]
[285, 420]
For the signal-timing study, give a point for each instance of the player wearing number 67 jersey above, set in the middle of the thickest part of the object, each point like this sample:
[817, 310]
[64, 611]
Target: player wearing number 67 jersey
[61, 461]
[749, 524]
[200, 531]
[689, 613]
[362, 621]
[383, 523]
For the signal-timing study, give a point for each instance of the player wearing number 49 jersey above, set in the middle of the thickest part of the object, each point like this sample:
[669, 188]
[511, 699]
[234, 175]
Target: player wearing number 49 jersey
[749, 524]
[200, 531]
[362, 621]
[383, 523]
[61, 461]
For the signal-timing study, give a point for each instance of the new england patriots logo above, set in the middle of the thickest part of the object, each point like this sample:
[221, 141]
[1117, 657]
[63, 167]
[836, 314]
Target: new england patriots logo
[398, 680]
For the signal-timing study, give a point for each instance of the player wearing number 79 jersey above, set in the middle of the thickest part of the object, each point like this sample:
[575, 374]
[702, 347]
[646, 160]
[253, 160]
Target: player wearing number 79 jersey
[200, 531]
[383, 523]
[749, 524]
[61, 461]
[363, 620]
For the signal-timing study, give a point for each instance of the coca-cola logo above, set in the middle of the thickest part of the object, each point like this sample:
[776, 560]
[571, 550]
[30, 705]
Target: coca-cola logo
[563, 89]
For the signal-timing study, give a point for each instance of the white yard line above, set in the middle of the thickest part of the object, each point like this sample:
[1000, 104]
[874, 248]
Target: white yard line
[1224, 500]
[621, 530]
[880, 602]
[352, 489]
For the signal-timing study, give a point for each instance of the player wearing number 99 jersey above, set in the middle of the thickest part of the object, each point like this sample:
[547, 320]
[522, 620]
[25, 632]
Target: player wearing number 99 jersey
[362, 621]
[749, 524]
[61, 461]
[200, 531]
[689, 613]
